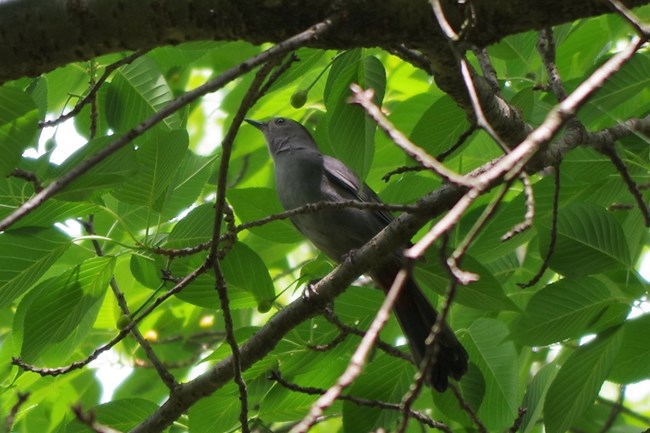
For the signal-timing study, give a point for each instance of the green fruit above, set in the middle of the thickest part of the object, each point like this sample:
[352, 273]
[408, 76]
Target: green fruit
[299, 98]
[265, 306]
[123, 321]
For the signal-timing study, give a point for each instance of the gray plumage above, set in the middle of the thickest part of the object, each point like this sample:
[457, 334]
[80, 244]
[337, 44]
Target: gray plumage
[304, 175]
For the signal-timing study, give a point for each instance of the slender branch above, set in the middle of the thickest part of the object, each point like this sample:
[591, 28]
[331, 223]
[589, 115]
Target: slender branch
[220, 207]
[422, 418]
[642, 29]
[13, 413]
[553, 234]
[328, 313]
[616, 410]
[468, 409]
[29, 177]
[530, 210]
[88, 419]
[610, 152]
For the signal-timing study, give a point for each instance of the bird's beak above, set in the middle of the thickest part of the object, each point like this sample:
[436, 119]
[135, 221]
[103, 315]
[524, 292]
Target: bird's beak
[256, 123]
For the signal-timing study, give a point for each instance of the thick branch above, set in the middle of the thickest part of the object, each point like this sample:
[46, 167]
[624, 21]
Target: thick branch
[40, 35]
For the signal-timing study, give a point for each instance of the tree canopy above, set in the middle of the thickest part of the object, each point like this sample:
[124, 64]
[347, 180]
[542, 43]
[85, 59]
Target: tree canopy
[509, 139]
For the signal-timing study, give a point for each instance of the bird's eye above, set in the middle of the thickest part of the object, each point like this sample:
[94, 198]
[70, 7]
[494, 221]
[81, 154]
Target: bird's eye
[279, 121]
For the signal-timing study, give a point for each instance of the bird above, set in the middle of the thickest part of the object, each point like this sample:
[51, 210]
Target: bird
[303, 174]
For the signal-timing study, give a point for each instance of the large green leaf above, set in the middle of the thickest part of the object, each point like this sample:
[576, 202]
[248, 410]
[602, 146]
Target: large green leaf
[632, 363]
[243, 268]
[57, 315]
[484, 294]
[568, 308]
[578, 382]
[351, 133]
[440, 126]
[121, 415]
[384, 379]
[18, 126]
[589, 241]
[136, 92]
[216, 413]
[535, 396]
[251, 204]
[488, 346]
[194, 229]
[26, 254]
[158, 159]
[110, 173]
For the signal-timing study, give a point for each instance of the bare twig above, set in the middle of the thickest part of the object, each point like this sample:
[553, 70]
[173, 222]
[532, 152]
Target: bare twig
[249, 99]
[521, 413]
[610, 152]
[553, 234]
[11, 418]
[419, 416]
[468, 409]
[412, 56]
[642, 29]
[616, 410]
[328, 313]
[432, 347]
[29, 177]
[88, 419]
[530, 210]
[464, 277]
[461, 139]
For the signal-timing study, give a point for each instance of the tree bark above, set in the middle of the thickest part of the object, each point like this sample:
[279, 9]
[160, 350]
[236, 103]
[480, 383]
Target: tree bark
[40, 35]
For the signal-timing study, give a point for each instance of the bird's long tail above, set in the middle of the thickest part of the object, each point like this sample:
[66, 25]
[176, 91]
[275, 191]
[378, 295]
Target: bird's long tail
[417, 317]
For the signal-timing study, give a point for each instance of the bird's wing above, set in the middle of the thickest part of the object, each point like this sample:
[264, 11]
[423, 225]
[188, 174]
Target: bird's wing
[344, 179]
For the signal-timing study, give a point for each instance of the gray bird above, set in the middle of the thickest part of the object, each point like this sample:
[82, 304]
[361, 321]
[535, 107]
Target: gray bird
[304, 175]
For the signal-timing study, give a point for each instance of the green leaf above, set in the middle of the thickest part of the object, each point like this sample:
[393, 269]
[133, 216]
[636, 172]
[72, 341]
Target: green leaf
[194, 229]
[384, 379]
[484, 294]
[628, 82]
[535, 396]
[57, 315]
[351, 133]
[158, 159]
[251, 204]
[487, 344]
[113, 171]
[26, 254]
[589, 241]
[203, 418]
[579, 380]
[568, 308]
[243, 268]
[632, 363]
[440, 126]
[18, 126]
[121, 415]
[136, 92]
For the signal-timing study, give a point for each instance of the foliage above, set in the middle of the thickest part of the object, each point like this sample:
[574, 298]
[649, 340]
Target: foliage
[118, 227]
